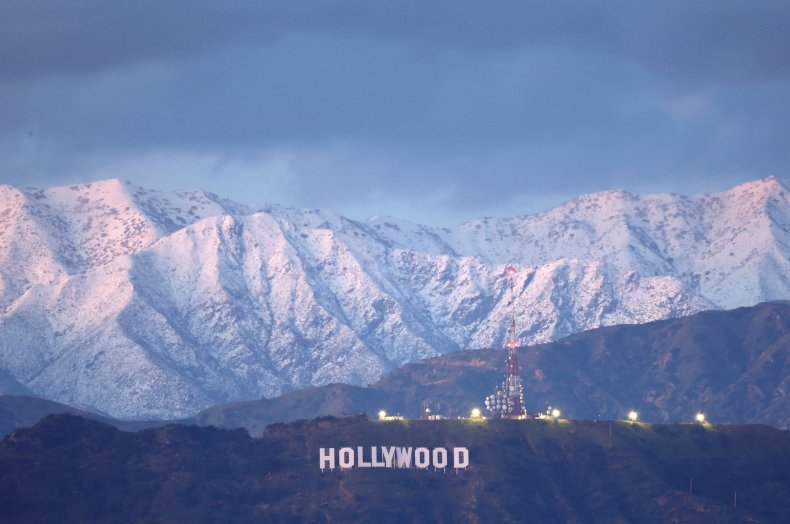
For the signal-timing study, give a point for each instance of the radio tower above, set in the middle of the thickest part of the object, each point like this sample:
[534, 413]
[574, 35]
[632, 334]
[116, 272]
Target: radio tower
[507, 401]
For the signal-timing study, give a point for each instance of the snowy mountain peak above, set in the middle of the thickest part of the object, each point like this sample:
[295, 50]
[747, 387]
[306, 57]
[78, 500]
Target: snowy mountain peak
[147, 303]
[770, 185]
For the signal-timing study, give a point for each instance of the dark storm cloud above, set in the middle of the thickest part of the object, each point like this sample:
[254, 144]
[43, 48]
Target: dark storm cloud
[52, 37]
[713, 39]
[464, 106]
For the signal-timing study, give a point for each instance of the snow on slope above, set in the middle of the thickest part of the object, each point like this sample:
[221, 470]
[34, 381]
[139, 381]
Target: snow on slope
[730, 247]
[148, 304]
[48, 233]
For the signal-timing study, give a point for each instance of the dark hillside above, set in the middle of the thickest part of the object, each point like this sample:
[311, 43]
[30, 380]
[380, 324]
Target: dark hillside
[67, 469]
[733, 365]
[25, 411]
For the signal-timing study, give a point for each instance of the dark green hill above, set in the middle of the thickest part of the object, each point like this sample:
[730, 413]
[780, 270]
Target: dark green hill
[333, 399]
[733, 365]
[67, 469]
[25, 411]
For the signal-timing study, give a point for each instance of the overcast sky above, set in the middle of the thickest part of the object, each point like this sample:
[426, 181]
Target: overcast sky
[436, 112]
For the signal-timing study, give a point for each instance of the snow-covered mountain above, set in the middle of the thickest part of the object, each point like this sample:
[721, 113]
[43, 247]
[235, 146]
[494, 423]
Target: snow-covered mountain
[142, 303]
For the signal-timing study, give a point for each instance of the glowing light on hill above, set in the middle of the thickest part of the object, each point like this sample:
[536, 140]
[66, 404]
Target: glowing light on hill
[382, 414]
[555, 413]
[475, 413]
[633, 416]
[700, 417]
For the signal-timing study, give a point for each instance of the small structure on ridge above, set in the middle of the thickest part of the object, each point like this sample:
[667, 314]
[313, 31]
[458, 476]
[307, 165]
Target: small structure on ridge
[507, 400]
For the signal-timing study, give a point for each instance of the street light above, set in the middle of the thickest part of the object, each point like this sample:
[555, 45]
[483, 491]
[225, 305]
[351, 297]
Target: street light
[475, 413]
[700, 417]
[555, 413]
[633, 416]
[382, 414]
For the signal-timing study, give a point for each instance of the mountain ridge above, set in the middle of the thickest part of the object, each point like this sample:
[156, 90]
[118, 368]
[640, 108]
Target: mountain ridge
[144, 304]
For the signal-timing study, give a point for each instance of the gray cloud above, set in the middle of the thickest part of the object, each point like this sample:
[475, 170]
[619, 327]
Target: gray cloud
[440, 111]
[715, 39]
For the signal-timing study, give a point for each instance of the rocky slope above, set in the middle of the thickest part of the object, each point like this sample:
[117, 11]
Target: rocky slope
[147, 304]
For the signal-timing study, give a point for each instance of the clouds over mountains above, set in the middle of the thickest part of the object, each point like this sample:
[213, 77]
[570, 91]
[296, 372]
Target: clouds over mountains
[414, 107]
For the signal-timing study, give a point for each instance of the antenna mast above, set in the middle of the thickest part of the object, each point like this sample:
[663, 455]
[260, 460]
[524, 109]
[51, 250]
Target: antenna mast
[513, 376]
[508, 399]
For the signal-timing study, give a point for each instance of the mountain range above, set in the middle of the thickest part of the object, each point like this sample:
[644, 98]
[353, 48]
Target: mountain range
[147, 304]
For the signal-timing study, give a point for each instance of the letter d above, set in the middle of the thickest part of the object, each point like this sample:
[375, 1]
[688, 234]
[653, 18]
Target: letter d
[460, 458]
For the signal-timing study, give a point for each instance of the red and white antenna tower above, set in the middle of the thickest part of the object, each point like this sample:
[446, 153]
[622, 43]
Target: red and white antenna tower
[507, 401]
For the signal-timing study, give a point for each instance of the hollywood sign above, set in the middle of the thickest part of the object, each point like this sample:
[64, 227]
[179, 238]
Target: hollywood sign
[392, 457]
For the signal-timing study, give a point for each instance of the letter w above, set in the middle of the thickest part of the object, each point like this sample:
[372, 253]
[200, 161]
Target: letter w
[404, 457]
